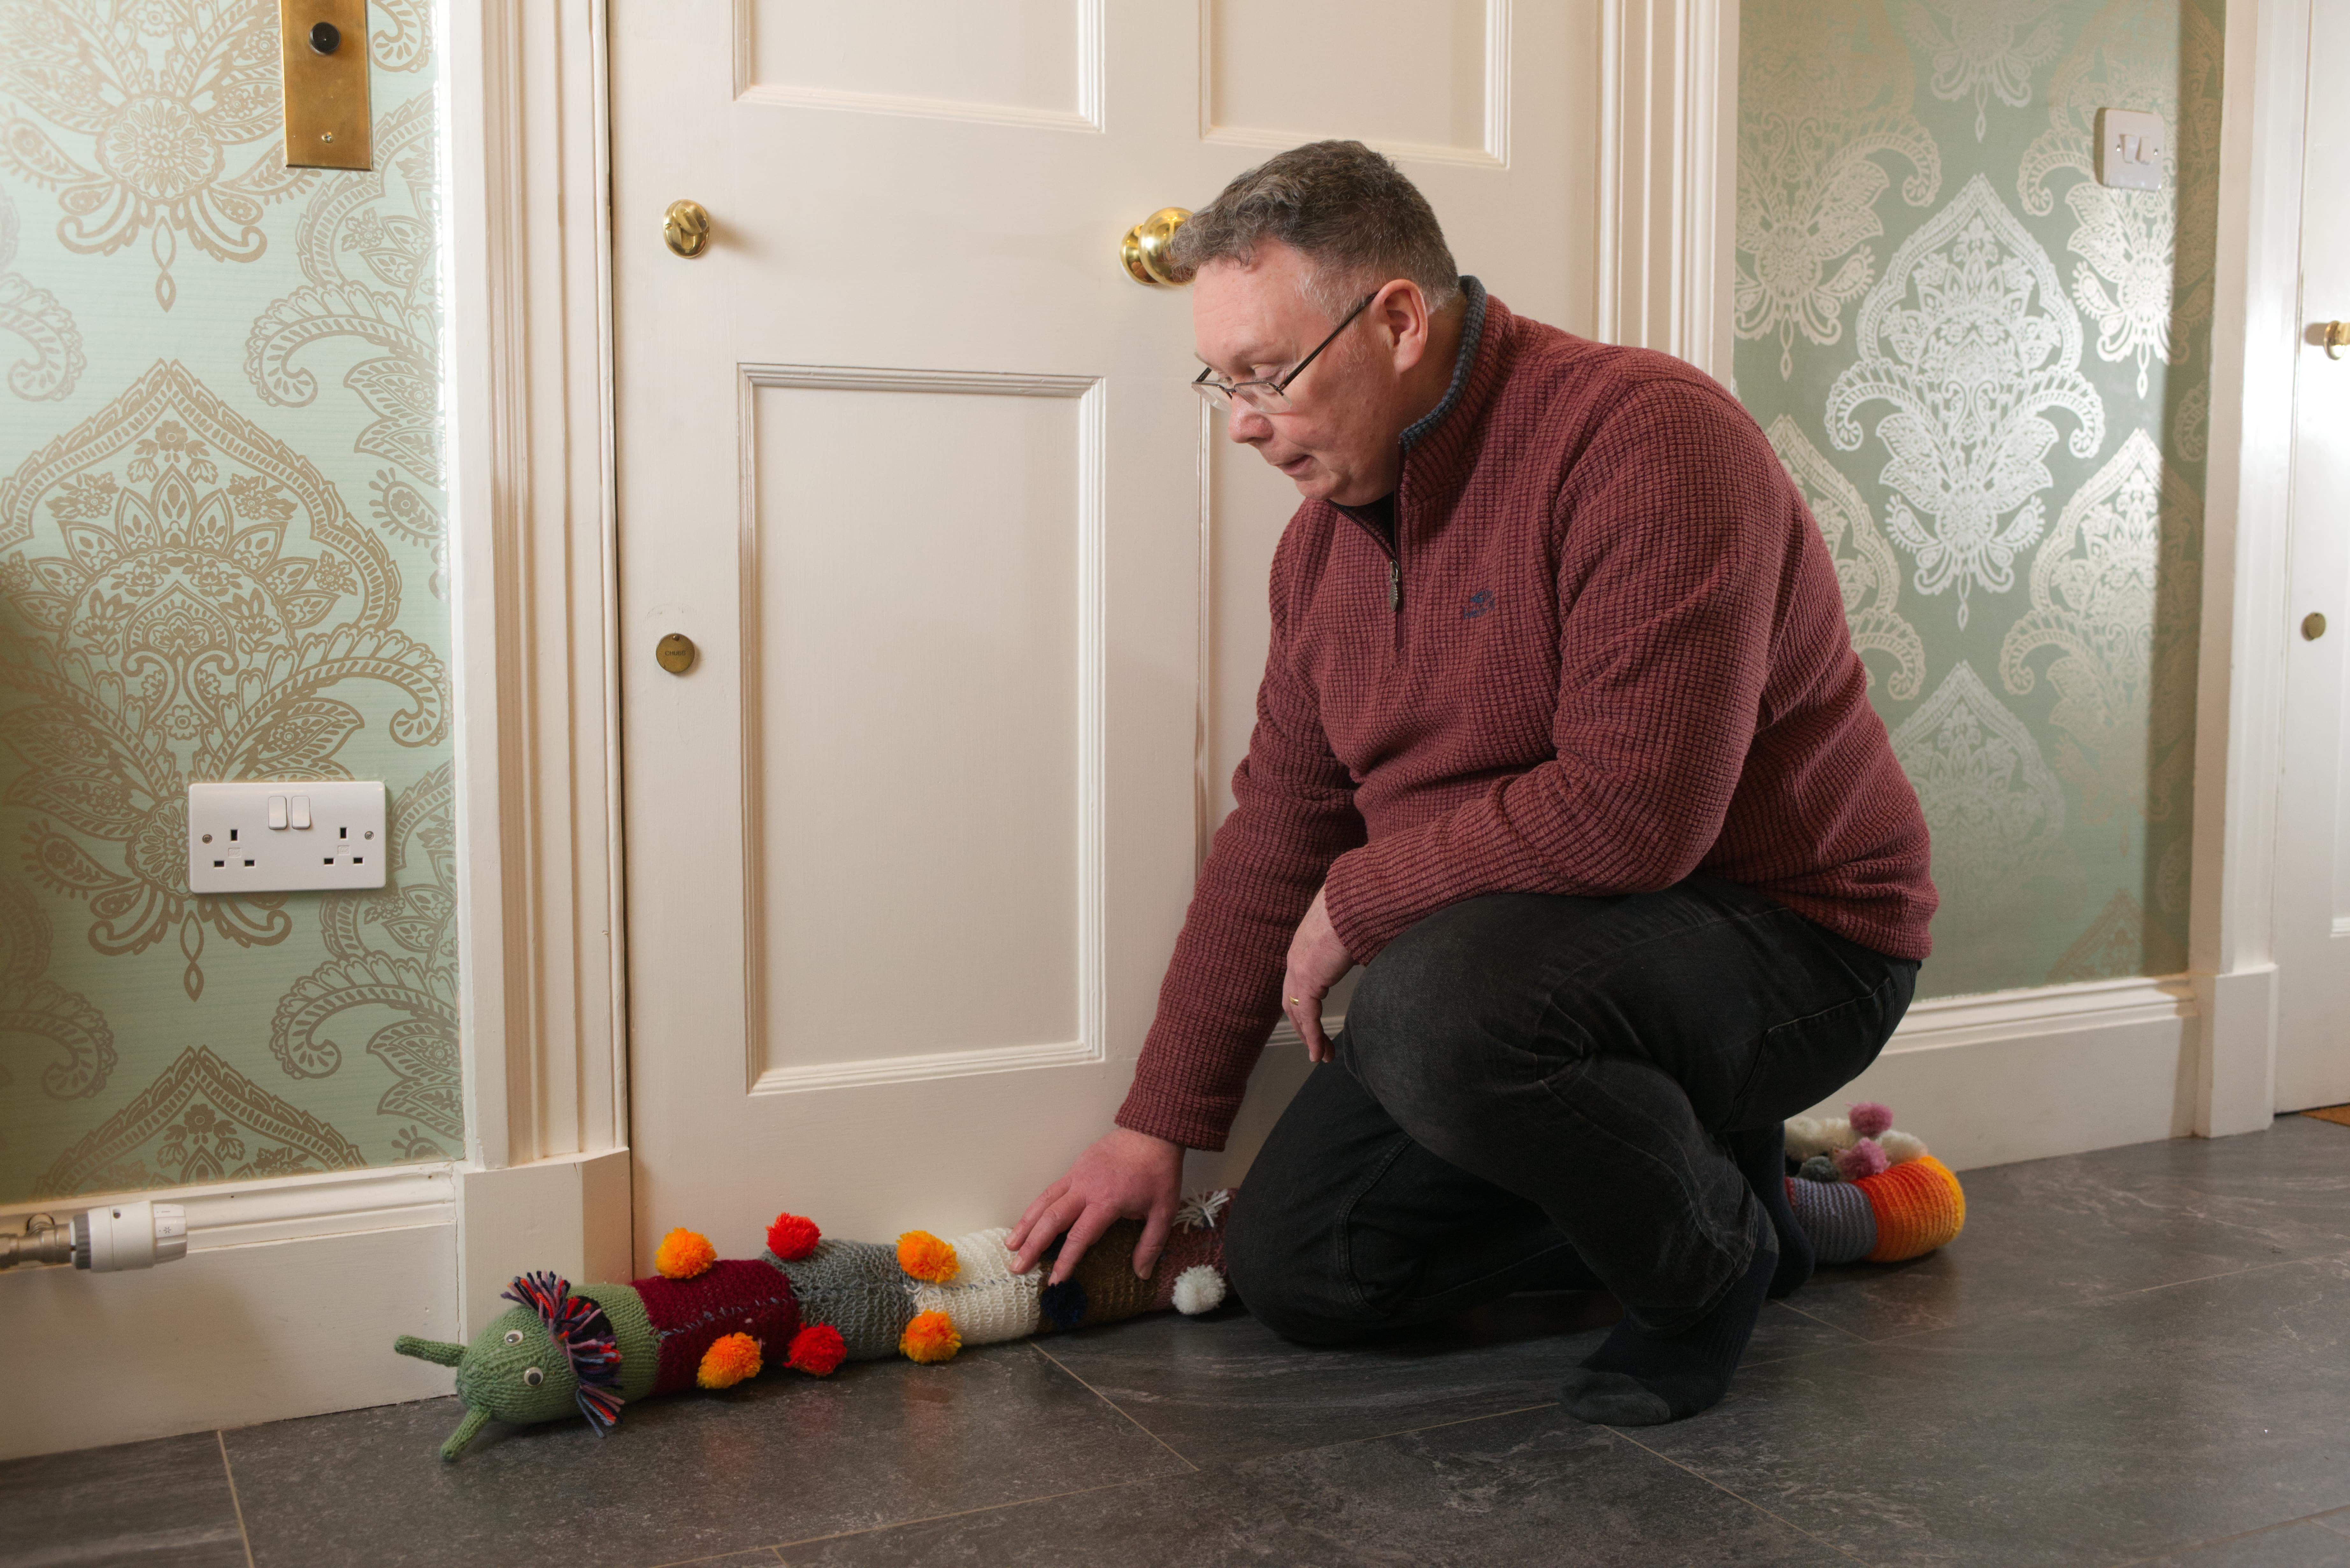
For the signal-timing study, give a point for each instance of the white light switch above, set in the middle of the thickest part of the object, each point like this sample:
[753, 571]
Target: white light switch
[264, 838]
[2130, 149]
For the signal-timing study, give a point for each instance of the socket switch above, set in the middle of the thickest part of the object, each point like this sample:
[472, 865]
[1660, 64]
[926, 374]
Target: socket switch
[2129, 149]
[290, 837]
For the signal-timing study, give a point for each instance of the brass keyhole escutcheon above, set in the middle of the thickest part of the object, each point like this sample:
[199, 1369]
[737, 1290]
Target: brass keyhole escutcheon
[685, 229]
[675, 653]
[2312, 625]
[1143, 251]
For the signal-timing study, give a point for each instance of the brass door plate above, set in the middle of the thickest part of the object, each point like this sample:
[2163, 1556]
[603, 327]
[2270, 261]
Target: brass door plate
[323, 47]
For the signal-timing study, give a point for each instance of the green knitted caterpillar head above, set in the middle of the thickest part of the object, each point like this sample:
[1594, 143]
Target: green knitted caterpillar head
[535, 1363]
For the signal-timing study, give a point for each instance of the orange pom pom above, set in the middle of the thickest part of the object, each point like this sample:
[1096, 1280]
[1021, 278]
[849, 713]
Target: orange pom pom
[927, 1258]
[683, 1255]
[792, 1237]
[931, 1337]
[729, 1361]
[817, 1350]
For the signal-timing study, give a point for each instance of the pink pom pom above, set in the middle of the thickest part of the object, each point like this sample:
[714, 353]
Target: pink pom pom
[1864, 1158]
[1869, 1118]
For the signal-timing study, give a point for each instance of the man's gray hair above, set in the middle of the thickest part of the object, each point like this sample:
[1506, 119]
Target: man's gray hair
[1348, 211]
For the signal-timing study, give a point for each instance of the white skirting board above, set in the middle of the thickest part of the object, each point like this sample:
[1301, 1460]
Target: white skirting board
[291, 1295]
[1984, 1080]
[286, 1305]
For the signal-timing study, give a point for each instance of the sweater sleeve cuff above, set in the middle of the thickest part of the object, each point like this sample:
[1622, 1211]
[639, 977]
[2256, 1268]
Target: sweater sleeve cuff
[1189, 1125]
[1362, 904]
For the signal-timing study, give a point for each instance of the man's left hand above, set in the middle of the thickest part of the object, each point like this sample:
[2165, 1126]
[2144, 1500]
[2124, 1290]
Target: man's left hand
[1317, 960]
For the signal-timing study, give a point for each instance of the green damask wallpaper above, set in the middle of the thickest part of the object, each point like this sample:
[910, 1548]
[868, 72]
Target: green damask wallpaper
[221, 557]
[1989, 375]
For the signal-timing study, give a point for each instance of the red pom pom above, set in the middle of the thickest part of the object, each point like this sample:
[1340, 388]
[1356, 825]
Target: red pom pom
[1870, 1119]
[792, 1237]
[817, 1350]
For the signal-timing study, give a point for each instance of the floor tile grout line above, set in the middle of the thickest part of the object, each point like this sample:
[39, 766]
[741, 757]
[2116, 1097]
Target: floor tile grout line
[1142, 1480]
[2108, 1300]
[1181, 1458]
[1834, 1327]
[2317, 1519]
[780, 1547]
[1832, 1546]
[228, 1473]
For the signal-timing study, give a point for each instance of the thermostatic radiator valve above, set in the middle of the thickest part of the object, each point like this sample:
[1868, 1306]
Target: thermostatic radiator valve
[119, 1236]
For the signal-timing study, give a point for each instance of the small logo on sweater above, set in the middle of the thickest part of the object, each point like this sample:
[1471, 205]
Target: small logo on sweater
[1479, 603]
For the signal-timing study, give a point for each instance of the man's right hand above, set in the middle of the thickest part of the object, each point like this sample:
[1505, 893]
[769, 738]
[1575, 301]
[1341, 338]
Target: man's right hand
[1123, 1176]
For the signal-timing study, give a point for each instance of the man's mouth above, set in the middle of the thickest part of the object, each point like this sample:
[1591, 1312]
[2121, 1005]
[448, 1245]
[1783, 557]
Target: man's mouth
[1296, 467]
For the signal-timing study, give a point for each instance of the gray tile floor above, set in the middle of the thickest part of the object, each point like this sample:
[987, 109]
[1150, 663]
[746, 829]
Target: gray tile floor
[2136, 1357]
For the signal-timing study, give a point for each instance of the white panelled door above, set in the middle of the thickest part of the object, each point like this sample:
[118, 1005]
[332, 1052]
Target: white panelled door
[911, 458]
[2313, 881]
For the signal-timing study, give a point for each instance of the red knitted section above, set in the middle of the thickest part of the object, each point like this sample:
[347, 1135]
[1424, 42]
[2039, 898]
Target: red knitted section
[738, 1296]
[1620, 657]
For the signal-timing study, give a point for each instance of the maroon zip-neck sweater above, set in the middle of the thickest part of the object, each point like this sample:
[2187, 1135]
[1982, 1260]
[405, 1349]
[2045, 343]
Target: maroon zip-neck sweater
[1606, 650]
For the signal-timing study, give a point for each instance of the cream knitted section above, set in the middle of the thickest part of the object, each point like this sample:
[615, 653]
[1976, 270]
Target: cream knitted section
[986, 1302]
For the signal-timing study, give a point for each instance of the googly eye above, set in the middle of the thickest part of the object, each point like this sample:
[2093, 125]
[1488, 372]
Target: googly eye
[533, 1377]
[514, 1336]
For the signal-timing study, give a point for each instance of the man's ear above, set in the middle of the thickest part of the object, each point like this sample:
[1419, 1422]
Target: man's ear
[1402, 311]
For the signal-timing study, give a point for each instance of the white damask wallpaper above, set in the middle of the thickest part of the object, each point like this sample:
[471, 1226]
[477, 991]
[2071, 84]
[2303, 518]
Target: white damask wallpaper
[221, 557]
[1987, 373]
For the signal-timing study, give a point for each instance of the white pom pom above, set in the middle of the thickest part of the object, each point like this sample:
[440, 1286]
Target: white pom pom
[1901, 1148]
[1198, 1289]
[1837, 1131]
[1806, 1137]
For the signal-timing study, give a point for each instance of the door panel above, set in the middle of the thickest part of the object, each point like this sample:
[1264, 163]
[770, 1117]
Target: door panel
[979, 620]
[2313, 886]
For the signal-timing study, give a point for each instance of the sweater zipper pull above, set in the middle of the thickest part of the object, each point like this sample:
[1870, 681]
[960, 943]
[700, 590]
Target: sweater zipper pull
[1395, 584]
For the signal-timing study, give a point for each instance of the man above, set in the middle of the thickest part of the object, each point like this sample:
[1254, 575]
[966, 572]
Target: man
[1563, 738]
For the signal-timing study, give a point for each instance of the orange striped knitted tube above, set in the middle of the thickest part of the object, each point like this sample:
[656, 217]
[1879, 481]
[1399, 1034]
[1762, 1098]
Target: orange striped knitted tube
[1918, 1207]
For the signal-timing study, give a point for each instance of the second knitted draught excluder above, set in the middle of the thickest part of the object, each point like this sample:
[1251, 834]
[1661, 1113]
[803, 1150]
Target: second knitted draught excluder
[1864, 1191]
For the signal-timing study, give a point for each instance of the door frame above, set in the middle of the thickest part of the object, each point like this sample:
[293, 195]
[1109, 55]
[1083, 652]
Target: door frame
[529, 394]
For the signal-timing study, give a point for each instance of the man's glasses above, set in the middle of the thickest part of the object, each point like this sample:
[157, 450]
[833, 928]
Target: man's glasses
[1268, 397]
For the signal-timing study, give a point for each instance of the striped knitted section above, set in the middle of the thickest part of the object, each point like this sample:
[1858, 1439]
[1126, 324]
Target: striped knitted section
[1837, 1216]
[986, 1302]
[1919, 1207]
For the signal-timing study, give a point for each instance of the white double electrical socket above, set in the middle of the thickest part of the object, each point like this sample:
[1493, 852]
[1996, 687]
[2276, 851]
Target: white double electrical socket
[289, 837]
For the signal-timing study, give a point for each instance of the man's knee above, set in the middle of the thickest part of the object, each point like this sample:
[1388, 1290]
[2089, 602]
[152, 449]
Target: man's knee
[1437, 1021]
[1282, 1266]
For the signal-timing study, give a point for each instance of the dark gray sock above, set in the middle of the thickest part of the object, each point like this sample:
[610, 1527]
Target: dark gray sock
[1762, 1157]
[1637, 1378]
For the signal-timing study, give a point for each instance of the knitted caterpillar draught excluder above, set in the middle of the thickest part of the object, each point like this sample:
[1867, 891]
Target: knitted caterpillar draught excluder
[700, 1321]
[1865, 1191]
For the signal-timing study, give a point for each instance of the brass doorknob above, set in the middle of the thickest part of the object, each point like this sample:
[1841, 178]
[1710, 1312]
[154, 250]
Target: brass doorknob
[2337, 335]
[675, 653]
[685, 229]
[2312, 625]
[1144, 249]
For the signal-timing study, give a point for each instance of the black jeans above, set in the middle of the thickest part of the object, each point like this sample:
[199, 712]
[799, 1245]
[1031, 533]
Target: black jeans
[1530, 1085]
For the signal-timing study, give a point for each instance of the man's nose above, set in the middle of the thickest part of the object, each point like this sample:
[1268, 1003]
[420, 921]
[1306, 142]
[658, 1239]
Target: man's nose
[1246, 425]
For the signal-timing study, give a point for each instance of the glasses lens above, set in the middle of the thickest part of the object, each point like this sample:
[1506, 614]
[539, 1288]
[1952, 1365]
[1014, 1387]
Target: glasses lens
[1262, 396]
[1213, 392]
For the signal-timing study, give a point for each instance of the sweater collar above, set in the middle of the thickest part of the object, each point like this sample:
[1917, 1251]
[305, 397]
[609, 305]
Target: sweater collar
[1440, 449]
[1472, 332]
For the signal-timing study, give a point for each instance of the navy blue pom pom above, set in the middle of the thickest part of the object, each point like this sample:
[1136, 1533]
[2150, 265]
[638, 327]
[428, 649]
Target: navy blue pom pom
[1064, 1304]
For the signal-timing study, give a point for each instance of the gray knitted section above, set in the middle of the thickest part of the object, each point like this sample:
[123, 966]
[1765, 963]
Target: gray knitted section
[1837, 1216]
[858, 1289]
